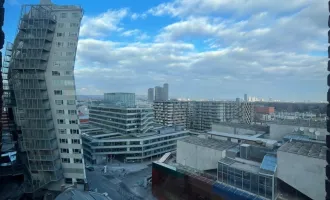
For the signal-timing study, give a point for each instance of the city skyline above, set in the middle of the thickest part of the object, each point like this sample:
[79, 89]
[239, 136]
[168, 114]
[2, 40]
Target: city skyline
[150, 43]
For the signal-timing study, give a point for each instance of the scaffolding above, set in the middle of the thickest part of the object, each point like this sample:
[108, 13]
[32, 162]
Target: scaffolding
[27, 65]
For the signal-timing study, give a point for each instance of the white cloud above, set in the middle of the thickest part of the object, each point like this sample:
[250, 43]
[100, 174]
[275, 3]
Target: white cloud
[103, 24]
[136, 16]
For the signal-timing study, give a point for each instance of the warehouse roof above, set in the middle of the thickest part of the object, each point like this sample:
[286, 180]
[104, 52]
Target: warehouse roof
[210, 143]
[309, 149]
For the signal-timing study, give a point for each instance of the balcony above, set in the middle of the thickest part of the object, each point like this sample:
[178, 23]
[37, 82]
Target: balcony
[41, 135]
[39, 76]
[53, 157]
[40, 145]
[41, 167]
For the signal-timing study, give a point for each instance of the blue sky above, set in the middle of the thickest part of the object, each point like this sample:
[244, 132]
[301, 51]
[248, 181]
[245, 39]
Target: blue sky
[203, 48]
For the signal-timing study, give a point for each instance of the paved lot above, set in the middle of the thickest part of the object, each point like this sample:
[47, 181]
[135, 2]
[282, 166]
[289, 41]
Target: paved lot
[122, 181]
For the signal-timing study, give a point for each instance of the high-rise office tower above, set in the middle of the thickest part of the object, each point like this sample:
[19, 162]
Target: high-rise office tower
[151, 95]
[41, 76]
[165, 92]
[158, 93]
[245, 97]
[120, 99]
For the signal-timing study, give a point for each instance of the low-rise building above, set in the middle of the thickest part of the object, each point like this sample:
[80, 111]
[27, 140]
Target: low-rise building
[101, 145]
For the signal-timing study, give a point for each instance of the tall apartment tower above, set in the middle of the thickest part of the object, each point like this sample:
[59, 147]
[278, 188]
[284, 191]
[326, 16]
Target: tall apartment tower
[165, 92]
[158, 93]
[41, 77]
[170, 113]
[151, 95]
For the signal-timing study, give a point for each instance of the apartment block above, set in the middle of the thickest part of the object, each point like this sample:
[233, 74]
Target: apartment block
[41, 77]
[169, 113]
[151, 95]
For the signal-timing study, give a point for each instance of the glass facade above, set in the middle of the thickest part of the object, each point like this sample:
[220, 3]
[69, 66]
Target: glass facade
[120, 99]
[255, 183]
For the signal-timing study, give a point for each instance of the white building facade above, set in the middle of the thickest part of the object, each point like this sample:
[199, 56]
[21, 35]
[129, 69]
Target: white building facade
[42, 79]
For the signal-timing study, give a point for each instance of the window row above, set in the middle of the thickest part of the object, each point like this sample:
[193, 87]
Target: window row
[67, 25]
[66, 121]
[73, 15]
[70, 34]
[75, 151]
[73, 141]
[65, 92]
[72, 131]
[63, 64]
[70, 112]
[63, 82]
[57, 73]
[68, 102]
[75, 160]
[62, 53]
[68, 44]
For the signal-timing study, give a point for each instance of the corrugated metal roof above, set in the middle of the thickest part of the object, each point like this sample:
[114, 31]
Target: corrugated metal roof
[309, 149]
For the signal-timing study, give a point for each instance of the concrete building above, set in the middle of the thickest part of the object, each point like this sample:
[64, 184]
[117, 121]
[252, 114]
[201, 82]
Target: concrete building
[151, 95]
[120, 99]
[169, 113]
[43, 56]
[204, 113]
[127, 121]
[100, 145]
[165, 92]
[301, 165]
[158, 93]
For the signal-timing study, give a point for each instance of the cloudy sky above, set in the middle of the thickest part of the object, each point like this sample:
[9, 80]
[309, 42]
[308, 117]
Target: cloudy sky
[203, 48]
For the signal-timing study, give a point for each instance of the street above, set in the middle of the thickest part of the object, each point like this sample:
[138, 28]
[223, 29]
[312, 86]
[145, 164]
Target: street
[121, 181]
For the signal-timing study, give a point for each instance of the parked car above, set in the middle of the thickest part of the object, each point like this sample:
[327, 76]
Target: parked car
[90, 168]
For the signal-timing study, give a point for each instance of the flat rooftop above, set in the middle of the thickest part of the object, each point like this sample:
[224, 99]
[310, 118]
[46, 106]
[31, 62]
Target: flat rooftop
[309, 149]
[254, 138]
[210, 143]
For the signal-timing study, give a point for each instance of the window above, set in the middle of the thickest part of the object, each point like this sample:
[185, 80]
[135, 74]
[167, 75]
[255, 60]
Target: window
[76, 160]
[56, 73]
[64, 15]
[69, 54]
[68, 73]
[60, 121]
[73, 122]
[61, 131]
[60, 25]
[61, 112]
[60, 34]
[72, 44]
[75, 15]
[74, 25]
[59, 102]
[64, 150]
[58, 92]
[75, 141]
[64, 141]
[73, 34]
[56, 64]
[65, 160]
[72, 112]
[78, 151]
[71, 102]
[74, 131]
[59, 44]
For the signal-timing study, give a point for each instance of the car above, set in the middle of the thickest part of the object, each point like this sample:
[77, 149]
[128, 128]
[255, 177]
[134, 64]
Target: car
[90, 168]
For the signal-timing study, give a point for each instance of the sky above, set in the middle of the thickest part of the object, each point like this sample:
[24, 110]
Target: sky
[218, 49]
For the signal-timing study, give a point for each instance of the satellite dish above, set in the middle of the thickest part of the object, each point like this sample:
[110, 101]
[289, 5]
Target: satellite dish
[311, 130]
[301, 129]
[296, 129]
[317, 133]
